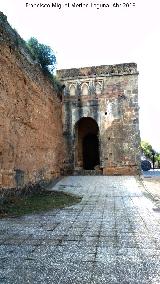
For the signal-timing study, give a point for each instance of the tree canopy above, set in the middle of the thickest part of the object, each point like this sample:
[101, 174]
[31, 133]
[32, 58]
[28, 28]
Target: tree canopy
[147, 149]
[43, 54]
[157, 158]
[150, 153]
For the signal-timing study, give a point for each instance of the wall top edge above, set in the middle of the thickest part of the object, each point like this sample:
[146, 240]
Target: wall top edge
[102, 70]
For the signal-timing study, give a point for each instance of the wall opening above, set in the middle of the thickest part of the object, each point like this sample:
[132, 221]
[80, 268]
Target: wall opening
[90, 152]
[87, 144]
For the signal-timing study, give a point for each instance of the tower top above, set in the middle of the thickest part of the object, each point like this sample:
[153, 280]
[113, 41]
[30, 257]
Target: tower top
[102, 70]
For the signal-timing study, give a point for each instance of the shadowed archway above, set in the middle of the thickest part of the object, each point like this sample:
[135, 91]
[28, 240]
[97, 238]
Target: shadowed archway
[87, 144]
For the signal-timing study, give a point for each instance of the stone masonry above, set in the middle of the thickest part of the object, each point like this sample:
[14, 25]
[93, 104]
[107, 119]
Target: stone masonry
[31, 140]
[101, 119]
[95, 128]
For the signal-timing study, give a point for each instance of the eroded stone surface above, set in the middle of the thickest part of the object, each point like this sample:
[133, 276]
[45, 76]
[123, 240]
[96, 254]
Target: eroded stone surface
[111, 236]
[103, 97]
[31, 140]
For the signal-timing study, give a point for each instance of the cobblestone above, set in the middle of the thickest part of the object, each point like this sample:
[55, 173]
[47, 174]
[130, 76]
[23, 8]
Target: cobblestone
[111, 236]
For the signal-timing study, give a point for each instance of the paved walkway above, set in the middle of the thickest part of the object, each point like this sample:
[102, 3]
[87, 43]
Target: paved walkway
[111, 236]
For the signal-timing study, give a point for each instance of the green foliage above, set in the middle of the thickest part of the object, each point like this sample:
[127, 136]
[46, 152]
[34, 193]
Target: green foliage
[57, 84]
[35, 203]
[149, 152]
[43, 54]
[157, 158]
[46, 58]
[147, 149]
[3, 18]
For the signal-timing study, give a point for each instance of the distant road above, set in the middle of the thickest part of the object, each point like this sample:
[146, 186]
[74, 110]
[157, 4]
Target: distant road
[152, 173]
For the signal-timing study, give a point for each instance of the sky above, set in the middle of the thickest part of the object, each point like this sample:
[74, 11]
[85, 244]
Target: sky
[100, 35]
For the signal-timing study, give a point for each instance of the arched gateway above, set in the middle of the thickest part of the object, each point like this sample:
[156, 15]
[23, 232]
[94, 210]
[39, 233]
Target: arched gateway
[101, 119]
[87, 144]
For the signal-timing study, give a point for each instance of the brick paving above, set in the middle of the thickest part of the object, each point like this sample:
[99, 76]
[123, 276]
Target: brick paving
[111, 236]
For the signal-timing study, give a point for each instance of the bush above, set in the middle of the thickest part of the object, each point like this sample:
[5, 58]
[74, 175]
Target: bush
[145, 165]
[43, 54]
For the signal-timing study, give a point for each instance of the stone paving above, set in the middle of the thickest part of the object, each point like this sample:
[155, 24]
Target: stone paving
[112, 236]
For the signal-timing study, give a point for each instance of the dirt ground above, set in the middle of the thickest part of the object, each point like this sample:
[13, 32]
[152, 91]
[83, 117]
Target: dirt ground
[152, 186]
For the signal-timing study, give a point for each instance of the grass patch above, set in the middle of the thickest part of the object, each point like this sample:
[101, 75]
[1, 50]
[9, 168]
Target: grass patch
[40, 202]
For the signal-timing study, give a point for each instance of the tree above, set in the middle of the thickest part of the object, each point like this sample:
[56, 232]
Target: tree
[43, 54]
[157, 158]
[147, 149]
[150, 153]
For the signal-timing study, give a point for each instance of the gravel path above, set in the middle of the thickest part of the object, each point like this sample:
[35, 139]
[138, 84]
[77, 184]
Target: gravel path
[111, 236]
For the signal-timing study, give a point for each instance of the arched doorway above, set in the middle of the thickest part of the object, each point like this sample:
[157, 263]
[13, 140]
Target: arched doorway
[90, 151]
[87, 144]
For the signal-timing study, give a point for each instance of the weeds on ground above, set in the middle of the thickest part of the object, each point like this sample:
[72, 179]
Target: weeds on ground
[40, 202]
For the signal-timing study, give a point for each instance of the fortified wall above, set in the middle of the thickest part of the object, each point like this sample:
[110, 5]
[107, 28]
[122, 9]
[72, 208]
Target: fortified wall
[31, 138]
[94, 128]
[101, 119]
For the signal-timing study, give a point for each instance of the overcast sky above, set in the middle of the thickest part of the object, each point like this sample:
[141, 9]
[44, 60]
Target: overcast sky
[99, 35]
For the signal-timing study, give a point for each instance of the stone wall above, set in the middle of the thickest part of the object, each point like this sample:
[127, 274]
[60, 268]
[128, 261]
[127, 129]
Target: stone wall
[31, 139]
[109, 95]
[41, 137]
